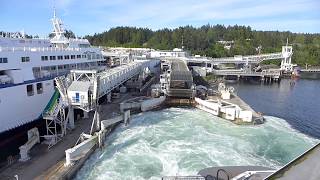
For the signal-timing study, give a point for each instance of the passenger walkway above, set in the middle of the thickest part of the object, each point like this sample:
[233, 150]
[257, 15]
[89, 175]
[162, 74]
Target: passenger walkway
[237, 59]
[99, 84]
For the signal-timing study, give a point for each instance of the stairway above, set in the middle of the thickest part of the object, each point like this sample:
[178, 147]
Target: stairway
[55, 112]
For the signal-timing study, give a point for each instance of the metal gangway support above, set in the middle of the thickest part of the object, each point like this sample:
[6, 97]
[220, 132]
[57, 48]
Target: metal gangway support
[57, 113]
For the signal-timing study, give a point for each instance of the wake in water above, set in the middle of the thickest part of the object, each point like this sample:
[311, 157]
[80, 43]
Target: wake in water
[178, 141]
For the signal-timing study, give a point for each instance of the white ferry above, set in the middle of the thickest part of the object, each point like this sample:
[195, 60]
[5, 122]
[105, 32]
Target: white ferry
[27, 71]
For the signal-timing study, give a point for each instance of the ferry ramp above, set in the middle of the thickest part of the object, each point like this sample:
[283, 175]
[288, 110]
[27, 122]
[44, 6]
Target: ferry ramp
[181, 81]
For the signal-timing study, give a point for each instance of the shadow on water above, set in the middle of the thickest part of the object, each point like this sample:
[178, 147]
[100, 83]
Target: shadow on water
[297, 103]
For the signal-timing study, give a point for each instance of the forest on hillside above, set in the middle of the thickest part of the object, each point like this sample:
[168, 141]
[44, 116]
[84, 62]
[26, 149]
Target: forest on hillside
[203, 41]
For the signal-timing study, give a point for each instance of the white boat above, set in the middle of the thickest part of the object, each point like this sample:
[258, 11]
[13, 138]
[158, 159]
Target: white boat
[28, 68]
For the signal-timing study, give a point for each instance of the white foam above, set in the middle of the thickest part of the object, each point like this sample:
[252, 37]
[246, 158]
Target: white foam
[179, 141]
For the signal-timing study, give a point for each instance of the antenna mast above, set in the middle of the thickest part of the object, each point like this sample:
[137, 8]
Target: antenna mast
[182, 47]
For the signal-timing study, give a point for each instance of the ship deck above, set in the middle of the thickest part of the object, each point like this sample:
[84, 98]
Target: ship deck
[306, 166]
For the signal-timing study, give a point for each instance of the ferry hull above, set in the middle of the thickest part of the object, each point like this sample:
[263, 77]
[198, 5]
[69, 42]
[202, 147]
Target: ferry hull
[11, 140]
[20, 113]
[18, 107]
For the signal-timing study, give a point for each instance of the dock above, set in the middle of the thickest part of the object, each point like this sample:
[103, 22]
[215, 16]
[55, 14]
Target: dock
[44, 162]
[256, 116]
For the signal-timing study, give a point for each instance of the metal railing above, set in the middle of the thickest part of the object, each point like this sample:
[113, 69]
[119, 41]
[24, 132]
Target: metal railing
[40, 49]
[242, 72]
[250, 58]
[183, 178]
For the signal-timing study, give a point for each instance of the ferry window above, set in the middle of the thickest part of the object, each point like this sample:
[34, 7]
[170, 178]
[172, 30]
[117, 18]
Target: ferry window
[30, 90]
[60, 57]
[3, 60]
[78, 56]
[84, 56]
[39, 88]
[73, 56]
[44, 58]
[52, 57]
[25, 59]
[66, 57]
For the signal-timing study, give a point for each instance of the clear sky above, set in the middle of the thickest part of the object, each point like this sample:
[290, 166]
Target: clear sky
[91, 16]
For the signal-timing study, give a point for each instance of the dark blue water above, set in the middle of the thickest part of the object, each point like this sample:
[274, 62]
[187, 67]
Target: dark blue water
[298, 104]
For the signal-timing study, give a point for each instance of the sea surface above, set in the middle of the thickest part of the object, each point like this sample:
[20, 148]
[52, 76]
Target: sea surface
[182, 141]
[298, 104]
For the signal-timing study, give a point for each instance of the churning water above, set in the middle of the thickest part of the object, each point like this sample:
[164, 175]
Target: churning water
[182, 141]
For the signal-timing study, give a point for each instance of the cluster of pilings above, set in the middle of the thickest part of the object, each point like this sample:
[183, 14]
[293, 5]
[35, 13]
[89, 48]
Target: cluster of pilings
[262, 79]
[270, 79]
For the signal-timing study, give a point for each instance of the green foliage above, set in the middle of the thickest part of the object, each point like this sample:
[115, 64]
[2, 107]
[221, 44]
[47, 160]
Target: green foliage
[203, 41]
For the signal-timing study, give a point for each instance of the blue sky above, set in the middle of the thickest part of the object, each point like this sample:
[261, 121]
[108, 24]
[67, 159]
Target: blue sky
[91, 16]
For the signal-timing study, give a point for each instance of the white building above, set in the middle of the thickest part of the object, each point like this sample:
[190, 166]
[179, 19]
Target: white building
[176, 52]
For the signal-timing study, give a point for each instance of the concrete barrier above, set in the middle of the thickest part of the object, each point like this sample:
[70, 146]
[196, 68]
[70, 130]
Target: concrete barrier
[231, 111]
[80, 150]
[130, 105]
[246, 116]
[212, 108]
[152, 103]
[33, 138]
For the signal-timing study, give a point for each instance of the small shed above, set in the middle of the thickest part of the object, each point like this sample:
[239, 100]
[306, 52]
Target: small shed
[79, 92]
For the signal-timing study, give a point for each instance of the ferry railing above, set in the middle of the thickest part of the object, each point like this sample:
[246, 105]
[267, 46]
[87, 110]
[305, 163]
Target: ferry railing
[84, 106]
[40, 49]
[183, 178]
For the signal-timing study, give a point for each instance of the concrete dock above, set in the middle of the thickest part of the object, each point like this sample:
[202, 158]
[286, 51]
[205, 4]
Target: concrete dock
[46, 162]
[256, 116]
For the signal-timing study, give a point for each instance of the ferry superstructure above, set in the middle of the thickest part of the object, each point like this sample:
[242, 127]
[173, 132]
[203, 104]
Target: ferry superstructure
[28, 68]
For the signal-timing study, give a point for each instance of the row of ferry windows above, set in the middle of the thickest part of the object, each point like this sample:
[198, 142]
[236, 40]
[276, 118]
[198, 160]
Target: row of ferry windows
[3, 60]
[30, 90]
[52, 58]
